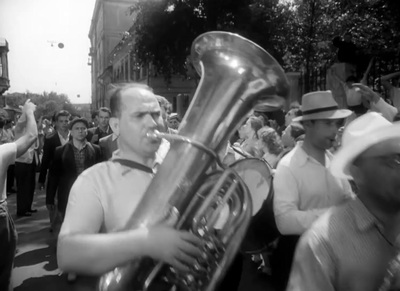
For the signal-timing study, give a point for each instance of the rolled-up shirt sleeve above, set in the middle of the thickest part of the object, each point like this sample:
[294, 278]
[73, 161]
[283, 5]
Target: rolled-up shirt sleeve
[290, 220]
[387, 110]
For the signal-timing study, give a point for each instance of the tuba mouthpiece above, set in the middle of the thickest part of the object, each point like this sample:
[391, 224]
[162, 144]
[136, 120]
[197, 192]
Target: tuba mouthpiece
[153, 134]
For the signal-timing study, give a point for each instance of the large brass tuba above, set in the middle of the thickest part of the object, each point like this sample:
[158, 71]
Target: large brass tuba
[237, 75]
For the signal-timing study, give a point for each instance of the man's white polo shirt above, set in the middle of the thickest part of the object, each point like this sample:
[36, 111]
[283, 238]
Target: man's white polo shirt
[104, 196]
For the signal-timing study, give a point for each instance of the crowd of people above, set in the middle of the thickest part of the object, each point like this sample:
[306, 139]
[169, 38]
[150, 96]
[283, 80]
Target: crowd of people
[334, 172]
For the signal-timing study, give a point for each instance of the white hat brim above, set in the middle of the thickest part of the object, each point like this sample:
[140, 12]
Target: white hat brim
[342, 160]
[331, 114]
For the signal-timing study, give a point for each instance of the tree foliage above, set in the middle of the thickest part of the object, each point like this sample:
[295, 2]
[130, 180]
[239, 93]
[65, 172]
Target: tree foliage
[164, 30]
[46, 104]
[297, 33]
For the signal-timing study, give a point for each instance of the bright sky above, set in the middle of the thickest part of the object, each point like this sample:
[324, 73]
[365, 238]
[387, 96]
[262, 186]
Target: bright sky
[30, 27]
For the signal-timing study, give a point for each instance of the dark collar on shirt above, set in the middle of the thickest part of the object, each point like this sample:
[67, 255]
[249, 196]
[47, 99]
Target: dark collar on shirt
[134, 165]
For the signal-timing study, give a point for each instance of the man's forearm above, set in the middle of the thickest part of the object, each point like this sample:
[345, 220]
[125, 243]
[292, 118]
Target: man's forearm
[31, 127]
[29, 136]
[95, 254]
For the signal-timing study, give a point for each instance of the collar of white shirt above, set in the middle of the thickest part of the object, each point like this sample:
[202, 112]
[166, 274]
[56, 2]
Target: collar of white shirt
[301, 158]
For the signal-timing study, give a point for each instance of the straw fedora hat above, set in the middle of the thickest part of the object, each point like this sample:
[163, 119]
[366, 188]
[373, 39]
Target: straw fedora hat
[361, 134]
[321, 105]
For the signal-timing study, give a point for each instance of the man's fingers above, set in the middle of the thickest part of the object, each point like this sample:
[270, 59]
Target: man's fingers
[186, 259]
[190, 249]
[179, 266]
[191, 238]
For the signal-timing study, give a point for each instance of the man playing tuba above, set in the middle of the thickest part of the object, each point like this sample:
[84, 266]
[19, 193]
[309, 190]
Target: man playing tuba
[103, 197]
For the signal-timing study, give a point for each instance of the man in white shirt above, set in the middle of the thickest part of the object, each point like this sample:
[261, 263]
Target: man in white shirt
[355, 246]
[103, 198]
[304, 187]
[8, 153]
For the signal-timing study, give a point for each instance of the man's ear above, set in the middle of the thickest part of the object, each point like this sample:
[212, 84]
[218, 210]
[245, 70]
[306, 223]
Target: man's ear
[114, 124]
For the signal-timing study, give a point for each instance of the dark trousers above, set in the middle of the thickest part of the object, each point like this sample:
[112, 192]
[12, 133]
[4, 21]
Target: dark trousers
[10, 177]
[8, 243]
[25, 176]
[231, 280]
[282, 259]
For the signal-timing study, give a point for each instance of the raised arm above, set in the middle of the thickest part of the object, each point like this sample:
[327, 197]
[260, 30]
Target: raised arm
[385, 79]
[29, 135]
[366, 73]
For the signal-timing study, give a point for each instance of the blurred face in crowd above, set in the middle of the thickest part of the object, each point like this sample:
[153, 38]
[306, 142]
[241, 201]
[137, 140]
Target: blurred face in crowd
[79, 131]
[246, 130]
[322, 133]
[62, 123]
[103, 118]
[378, 171]
[290, 115]
[140, 115]
[173, 123]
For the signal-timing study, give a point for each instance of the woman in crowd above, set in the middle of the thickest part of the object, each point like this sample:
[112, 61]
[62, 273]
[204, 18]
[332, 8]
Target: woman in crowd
[270, 145]
[248, 131]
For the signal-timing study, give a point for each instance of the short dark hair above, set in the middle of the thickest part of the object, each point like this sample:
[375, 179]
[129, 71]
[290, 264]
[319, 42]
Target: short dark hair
[78, 119]
[115, 95]
[61, 113]
[105, 109]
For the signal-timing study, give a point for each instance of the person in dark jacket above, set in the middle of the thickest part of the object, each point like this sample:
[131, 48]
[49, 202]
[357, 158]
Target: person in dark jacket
[58, 138]
[69, 162]
[103, 129]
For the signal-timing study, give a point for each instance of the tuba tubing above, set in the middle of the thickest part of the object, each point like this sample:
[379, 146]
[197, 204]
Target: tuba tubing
[236, 76]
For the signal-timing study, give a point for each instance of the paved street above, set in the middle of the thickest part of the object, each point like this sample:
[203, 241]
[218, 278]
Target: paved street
[35, 266]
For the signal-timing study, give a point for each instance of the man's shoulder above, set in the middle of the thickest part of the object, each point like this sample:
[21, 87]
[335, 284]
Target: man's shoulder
[102, 169]
[291, 159]
[52, 136]
[95, 147]
[106, 139]
[93, 129]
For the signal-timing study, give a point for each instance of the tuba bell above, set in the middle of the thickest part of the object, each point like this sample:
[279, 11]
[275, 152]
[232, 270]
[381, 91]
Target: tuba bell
[237, 75]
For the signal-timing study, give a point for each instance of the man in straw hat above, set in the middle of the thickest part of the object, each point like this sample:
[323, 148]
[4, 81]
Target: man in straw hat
[304, 187]
[350, 247]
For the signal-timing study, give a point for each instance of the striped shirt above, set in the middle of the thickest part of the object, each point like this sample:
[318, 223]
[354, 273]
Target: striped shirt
[344, 250]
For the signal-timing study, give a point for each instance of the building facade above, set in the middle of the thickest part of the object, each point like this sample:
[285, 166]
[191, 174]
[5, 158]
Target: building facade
[113, 59]
[111, 18]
